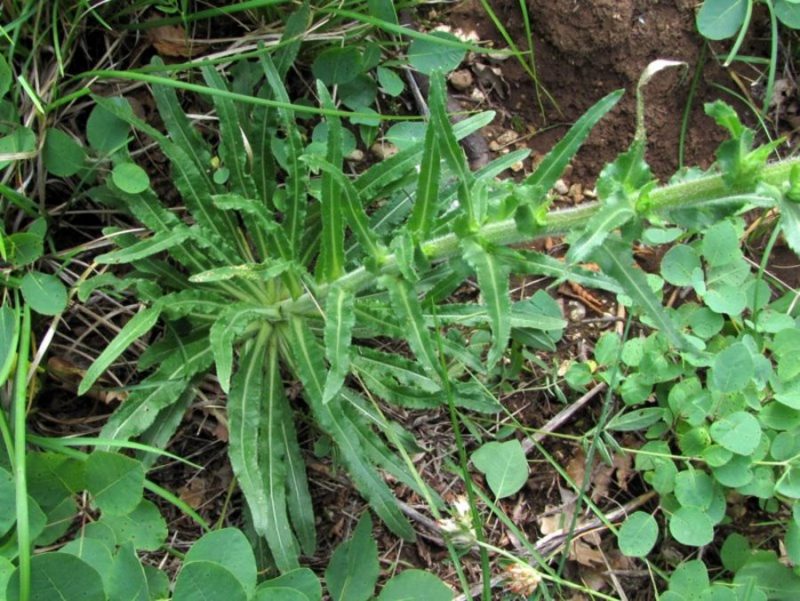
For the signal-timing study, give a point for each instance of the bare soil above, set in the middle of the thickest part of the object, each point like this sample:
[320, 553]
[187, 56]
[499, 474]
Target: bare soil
[586, 49]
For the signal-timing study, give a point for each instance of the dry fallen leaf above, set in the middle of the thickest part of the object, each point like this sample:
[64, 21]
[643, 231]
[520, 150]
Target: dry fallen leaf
[171, 40]
[194, 493]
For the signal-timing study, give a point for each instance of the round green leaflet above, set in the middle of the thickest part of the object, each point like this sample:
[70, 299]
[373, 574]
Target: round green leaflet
[638, 534]
[204, 580]
[337, 65]
[60, 576]
[680, 265]
[44, 293]
[105, 131]
[63, 156]
[691, 526]
[694, 488]
[732, 369]
[738, 432]
[130, 178]
[721, 19]
[505, 466]
[415, 585]
[427, 56]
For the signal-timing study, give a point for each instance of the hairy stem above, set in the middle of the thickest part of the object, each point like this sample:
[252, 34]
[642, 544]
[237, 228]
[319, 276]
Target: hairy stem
[672, 196]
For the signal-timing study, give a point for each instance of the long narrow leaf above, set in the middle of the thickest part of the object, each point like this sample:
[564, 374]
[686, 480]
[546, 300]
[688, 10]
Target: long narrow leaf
[382, 174]
[307, 363]
[426, 199]
[246, 405]
[278, 532]
[354, 211]
[616, 260]
[339, 321]
[301, 509]
[452, 153]
[296, 180]
[145, 248]
[331, 256]
[553, 164]
[162, 389]
[232, 147]
[137, 326]
[404, 300]
[179, 127]
[493, 282]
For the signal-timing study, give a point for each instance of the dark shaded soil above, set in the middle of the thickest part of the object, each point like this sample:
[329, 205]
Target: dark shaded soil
[586, 49]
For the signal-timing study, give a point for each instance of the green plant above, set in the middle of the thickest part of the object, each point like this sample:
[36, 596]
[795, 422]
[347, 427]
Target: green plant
[715, 388]
[287, 264]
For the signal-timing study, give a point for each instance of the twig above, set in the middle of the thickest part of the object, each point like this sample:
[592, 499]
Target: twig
[561, 417]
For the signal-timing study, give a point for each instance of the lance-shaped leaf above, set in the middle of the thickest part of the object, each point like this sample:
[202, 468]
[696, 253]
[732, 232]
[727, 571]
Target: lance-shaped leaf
[248, 414]
[217, 226]
[339, 321]
[331, 256]
[524, 314]
[228, 326]
[160, 390]
[294, 30]
[619, 187]
[278, 532]
[137, 326]
[353, 210]
[452, 153]
[375, 179]
[296, 179]
[493, 281]
[178, 126]
[308, 365]
[232, 149]
[553, 164]
[301, 509]
[615, 258]
[426, 201]
[145, 248]
[405, 302]
[532, 262]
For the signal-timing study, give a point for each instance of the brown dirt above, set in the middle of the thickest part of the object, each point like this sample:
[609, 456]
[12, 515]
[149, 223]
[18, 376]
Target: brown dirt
[586, 49]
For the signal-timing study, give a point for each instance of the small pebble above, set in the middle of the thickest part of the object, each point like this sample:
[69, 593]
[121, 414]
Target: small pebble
[517, 167]
[383, 150]
[576, 192]
[561, 187]
[575, 311]
[461, 80]
[356, 156]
